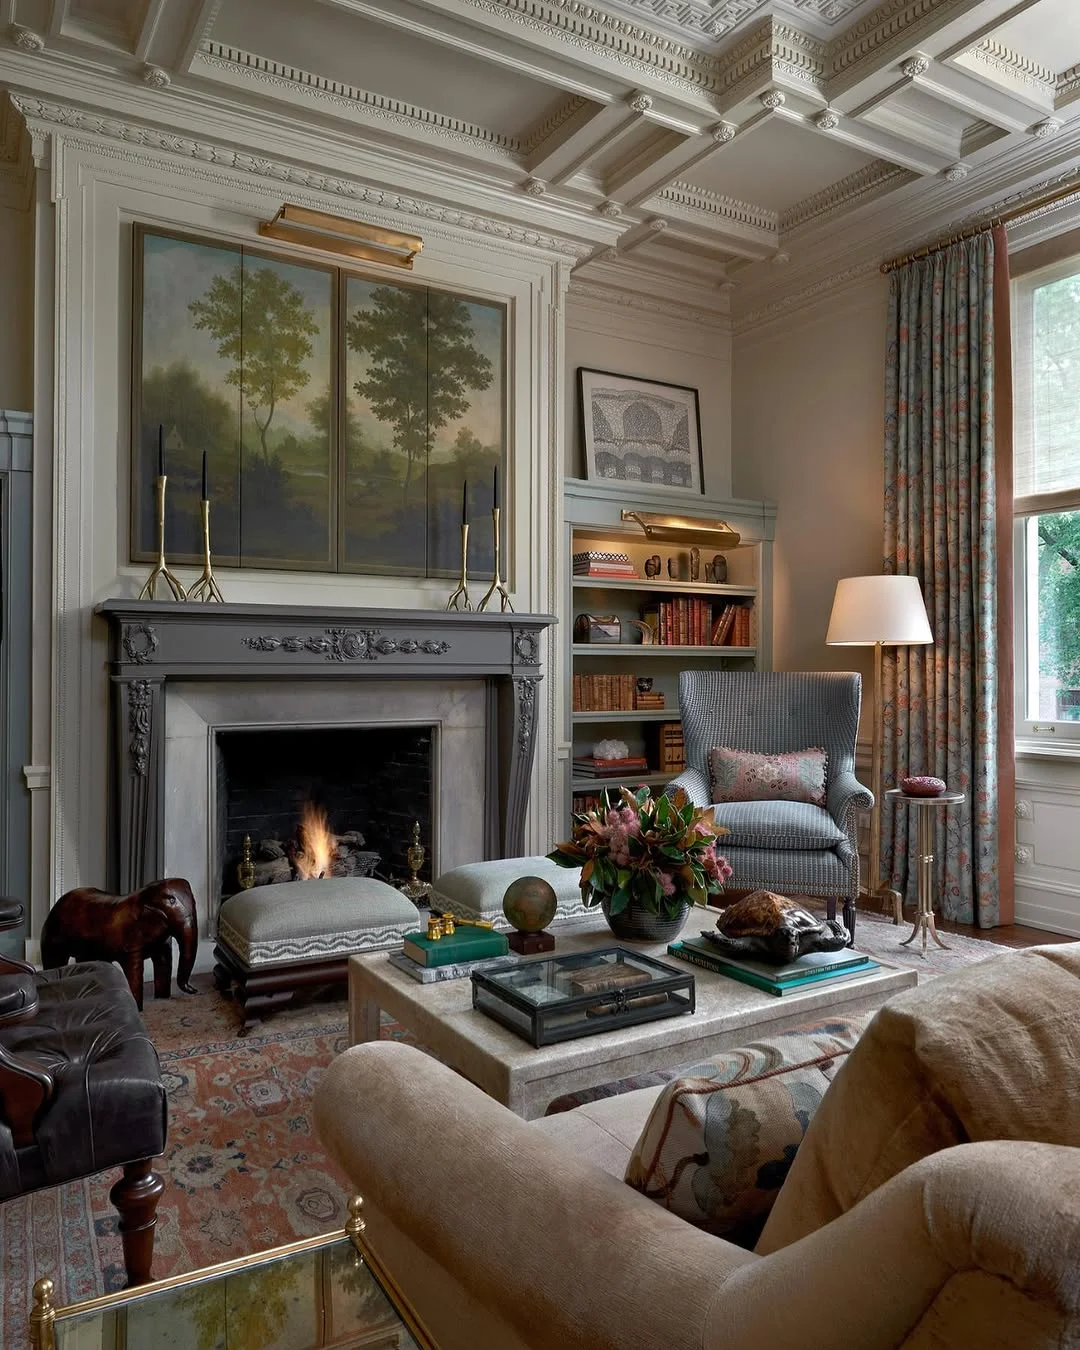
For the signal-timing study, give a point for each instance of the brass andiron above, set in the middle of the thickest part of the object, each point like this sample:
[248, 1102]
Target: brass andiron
[161, 568]
[459, 597]
[414, 888]
[496, 586]
[245, 873]
[206, 588]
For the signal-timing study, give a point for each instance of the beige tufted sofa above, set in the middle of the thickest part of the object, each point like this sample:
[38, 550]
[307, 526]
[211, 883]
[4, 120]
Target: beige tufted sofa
[914, 1215]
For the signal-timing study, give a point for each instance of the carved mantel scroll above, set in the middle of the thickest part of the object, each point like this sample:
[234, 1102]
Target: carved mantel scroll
[152, 642]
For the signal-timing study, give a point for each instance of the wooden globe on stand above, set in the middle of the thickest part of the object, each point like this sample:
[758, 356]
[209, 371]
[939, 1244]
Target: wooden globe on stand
[530, 904]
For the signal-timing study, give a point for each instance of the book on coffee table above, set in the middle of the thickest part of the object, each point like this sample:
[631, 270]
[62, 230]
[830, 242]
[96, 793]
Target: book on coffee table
[458, 970]
[814, 968]
[465, 944]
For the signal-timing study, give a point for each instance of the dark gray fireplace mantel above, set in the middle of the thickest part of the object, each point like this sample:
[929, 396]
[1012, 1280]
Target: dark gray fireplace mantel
[154, 641]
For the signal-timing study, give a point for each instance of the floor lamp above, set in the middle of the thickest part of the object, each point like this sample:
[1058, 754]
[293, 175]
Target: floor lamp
[876, 612]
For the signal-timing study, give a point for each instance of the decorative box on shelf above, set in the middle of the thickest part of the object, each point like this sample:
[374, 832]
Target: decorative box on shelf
[562, 998]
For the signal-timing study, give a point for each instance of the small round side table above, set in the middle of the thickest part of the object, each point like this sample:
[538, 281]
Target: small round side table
[924, 846]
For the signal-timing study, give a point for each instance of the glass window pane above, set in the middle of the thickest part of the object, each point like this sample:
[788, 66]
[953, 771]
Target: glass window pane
[1053, 639]
[1055, 385]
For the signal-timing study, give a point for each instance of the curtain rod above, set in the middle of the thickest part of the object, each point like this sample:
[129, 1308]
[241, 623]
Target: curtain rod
[1028, 209]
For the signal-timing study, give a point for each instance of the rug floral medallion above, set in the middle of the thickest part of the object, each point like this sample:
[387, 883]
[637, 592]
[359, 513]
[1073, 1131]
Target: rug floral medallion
[244, 1168]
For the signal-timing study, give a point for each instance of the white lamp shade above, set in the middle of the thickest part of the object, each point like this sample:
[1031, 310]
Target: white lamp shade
[884, 609]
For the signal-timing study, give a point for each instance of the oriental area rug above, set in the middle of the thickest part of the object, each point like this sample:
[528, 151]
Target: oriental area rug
[244, 1169]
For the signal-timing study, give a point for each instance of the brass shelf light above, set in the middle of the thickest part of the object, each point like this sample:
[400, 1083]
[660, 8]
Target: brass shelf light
[684, 529]
[336, 234]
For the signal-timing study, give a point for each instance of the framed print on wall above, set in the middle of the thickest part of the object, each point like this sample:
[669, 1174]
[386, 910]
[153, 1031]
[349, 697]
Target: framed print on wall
[640, 431]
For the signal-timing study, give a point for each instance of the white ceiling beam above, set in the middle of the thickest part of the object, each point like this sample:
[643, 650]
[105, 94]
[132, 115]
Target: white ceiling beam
[866, 71]
[58, 13]
[148, 27]
[977, 98]
[646, 176]
[872, 140]
[203, 14]
[610, 127]
[573, 139]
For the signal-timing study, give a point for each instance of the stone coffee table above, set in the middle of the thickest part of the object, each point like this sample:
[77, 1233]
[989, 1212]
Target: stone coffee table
[728, 1014]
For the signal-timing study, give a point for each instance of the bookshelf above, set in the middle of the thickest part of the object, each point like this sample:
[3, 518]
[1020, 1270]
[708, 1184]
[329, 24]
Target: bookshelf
[605, 679]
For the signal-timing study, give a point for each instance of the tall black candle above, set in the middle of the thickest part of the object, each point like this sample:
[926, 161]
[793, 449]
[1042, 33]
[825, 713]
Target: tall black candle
[495, 488]
[161, 451]
[465, 502]
[204, 493]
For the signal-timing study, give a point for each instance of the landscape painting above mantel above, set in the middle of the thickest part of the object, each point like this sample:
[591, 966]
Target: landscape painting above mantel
[347, 423]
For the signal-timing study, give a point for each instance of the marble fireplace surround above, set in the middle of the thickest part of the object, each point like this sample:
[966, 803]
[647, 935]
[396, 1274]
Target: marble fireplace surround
[181, 672]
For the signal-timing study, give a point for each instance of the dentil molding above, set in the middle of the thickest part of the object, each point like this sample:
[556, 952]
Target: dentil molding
[42, 114]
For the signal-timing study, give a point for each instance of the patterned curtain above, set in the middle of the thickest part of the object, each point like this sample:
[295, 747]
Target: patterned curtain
[948, 707]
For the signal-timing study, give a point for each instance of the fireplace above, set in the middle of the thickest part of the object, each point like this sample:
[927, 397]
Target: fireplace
[372, 783]
[184, 676]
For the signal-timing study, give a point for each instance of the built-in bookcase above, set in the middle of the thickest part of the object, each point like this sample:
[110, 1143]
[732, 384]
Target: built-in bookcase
[628, 689]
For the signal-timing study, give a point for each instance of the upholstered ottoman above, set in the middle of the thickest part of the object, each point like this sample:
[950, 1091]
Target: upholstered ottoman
[476, 890]
[275, 940]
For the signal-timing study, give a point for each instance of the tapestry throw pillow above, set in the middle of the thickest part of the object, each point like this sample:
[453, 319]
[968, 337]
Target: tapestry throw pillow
[720, 1138]
[790, 776]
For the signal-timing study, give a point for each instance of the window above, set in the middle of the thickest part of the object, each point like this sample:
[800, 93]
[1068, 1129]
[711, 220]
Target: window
[1046, 358]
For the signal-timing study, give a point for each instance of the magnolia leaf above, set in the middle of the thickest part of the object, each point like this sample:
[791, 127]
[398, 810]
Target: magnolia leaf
[618, 902]
[587, 870]
[622, 876]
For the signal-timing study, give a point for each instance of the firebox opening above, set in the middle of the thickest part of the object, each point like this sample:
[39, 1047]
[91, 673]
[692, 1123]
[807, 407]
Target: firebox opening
[371, 783]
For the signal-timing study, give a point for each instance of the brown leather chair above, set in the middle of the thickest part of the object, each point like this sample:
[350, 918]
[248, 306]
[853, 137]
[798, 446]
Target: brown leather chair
[80, 1089]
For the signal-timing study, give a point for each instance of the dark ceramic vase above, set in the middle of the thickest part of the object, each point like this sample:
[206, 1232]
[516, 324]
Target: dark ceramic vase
[636, 923]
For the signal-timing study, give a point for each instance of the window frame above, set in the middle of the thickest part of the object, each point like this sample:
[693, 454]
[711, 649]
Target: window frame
[1038, 735]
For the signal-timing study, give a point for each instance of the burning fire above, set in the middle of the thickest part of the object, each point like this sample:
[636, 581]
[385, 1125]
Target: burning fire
[315, 844]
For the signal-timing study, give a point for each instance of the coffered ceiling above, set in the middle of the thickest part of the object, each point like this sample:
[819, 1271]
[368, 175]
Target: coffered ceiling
[715, 139]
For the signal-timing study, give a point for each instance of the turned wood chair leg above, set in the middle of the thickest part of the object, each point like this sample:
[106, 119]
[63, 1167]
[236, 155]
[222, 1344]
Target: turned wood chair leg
[135, 1197]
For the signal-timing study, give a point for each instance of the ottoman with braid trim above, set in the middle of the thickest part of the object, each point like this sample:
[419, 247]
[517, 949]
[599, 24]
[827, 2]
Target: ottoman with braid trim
[273, 941]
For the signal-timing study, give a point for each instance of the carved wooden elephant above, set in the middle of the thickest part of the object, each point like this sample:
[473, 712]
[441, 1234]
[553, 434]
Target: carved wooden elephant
[92, 925]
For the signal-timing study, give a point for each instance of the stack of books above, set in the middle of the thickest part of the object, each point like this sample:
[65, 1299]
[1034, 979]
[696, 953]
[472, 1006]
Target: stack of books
[588, 766]
[596, 564]
[670, 752]
[647, 700]
[814, 968]
[467, 943]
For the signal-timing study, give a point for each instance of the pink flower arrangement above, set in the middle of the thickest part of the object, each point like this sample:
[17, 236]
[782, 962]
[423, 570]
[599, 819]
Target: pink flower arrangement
[661, 852]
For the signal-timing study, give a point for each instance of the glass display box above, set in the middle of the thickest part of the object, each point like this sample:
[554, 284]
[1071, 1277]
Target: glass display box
[561, 998]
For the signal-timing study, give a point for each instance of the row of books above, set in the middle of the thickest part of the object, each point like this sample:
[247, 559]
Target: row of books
[689, 621]
[588, 766]
[670, 751]
[611, 693]
[814, 968]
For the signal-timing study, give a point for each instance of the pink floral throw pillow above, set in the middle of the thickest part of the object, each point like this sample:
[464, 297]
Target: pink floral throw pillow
[791, 776]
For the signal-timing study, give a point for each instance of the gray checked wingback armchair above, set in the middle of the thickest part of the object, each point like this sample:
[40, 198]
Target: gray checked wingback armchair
[784, 846]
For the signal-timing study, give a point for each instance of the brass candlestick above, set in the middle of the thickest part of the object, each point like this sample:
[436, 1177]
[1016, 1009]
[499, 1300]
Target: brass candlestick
[206, 588]
[496, 581]
[161, 568]
[414, 888]
[459, 597]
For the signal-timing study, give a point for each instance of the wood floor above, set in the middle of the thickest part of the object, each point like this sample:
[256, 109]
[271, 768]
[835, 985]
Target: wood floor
[1005, 935]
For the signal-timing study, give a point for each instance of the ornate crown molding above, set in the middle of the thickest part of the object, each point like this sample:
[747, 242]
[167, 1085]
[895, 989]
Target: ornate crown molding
[249, 65]
[1068, 82]
[1003, 60]
[894, 24]
[687, 198]
[547, 126]
[875, 178]
[43, 114]
[794, 300]
[775, 46]
[647, 304]
[583, 25]
[695, 20]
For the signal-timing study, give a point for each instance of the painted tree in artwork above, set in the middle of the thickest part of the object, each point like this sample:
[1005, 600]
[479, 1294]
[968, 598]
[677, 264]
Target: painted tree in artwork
[263, 326]
[422, 364]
